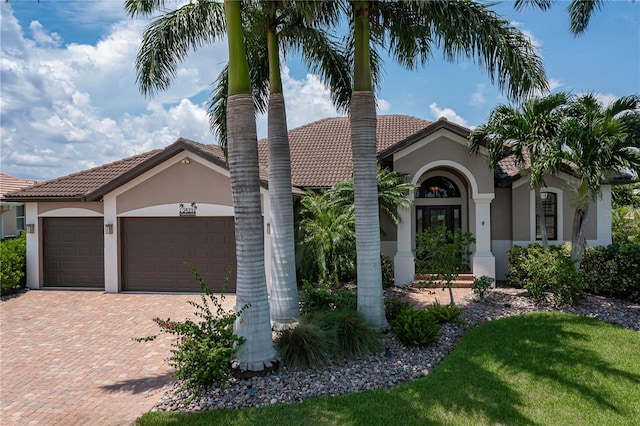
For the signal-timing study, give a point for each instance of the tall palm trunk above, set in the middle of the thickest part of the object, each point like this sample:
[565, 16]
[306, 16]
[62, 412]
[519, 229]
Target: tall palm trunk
[540, 214]
[251, 287]
[578, 234]
[363, 142]
[284, 290]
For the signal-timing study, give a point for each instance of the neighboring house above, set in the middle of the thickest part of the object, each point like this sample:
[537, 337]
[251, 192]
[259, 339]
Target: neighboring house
[130, 225]
[12, 212]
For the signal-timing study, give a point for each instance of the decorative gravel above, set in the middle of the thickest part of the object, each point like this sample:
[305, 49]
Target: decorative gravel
[398, 364]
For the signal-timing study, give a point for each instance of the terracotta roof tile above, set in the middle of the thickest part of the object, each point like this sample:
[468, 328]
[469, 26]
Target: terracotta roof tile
[84, 182]
[321, 151]
[10, 184]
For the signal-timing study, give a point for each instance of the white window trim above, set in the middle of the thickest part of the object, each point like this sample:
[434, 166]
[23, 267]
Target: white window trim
[559, 214]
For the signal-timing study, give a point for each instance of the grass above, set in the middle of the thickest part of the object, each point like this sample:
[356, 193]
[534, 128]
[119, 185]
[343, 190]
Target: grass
[534, 369]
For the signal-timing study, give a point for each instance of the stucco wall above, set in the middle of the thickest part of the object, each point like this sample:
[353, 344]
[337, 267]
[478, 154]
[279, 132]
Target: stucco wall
[49, 207]
[178, 183]
[501, 223]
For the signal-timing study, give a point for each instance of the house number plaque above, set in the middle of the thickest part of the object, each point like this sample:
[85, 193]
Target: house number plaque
[188, 210]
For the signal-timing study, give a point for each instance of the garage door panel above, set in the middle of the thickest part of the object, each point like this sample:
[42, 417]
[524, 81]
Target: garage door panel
[73, 252]
[154, 252]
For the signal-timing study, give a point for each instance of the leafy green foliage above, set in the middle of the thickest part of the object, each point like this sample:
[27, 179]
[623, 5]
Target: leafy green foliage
[625, 224]
[482, 285]
[327, 228]
[547, 273]
[204, 349]
[443, 253]
[13, 255]
[393, 306]
[324, 297]
[446, 313]
[387, 271]
[613, 270]
[305, 346]
[415, 327]
[354, 337]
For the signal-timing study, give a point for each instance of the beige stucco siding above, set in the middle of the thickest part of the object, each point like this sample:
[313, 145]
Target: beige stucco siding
[454, 149]
[501, 224]
[178, 183]
[520, 216]
[45, 207]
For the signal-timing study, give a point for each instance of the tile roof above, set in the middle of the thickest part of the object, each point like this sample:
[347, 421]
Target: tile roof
[11, 184]
[321, 151]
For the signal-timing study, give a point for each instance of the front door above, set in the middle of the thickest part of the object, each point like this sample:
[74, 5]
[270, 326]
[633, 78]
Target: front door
[434, 216]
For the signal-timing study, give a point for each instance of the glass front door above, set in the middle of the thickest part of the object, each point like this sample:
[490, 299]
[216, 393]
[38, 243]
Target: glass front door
[434, 216]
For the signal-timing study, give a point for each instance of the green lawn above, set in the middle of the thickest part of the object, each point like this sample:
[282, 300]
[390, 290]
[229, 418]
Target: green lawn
[535, 369]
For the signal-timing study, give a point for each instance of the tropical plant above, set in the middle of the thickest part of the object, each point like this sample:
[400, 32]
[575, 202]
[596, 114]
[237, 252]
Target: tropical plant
[409, 30]
[443, 254]
[599, 143]
[529, 133]
[324, 297]
[393, 306]
[415, 327]
[580, 11]
[165, 43]
[273, 28]
[205, 349]
[305, 346]
[445, 313]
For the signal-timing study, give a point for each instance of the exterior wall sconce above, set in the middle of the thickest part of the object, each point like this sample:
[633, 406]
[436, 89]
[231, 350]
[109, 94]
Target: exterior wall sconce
[268, 228]
[185, 160]
[108, 228]
[30, 228]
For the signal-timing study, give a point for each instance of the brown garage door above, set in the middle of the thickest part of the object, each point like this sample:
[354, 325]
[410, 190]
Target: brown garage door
[73, 252]
[154, 251]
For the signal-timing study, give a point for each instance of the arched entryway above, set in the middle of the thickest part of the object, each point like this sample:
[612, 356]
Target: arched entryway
[446, 194]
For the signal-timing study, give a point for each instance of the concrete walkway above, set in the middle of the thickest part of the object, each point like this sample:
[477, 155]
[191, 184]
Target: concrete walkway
[68, 358]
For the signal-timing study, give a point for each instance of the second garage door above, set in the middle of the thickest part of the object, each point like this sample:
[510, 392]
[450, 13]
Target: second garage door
[154, 251]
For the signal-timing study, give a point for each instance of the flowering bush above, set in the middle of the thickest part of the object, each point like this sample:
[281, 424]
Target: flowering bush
[204, 350]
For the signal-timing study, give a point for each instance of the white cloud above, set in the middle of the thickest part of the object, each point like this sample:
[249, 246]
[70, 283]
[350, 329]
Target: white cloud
[605, 99]
[43, 37]
[477, 98]
[447, 113]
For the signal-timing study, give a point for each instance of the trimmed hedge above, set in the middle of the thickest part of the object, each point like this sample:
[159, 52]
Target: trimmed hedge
[13, 264]
[613, 270]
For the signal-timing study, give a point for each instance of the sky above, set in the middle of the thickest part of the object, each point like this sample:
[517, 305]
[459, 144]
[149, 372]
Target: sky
[69, 100]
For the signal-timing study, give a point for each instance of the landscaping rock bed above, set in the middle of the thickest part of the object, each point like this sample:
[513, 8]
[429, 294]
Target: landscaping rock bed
[396, 365]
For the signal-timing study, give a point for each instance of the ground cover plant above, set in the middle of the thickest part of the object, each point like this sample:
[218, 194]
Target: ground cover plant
[548, 368]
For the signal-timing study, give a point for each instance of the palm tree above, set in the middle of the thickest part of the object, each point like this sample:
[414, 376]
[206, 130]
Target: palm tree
[410, 30]
[580, 11]
[529, 133]
[271, 28]
[599, 142]
[165, 43]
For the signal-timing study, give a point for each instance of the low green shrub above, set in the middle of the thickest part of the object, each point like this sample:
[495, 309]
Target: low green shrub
[387, 271]
[547, 274]
[354, 337]
[482, 285]
[415, 328]
[204, 350]
[305, 346]
[613, 270]
[393, 306]
[444, 313]
[13, 261]
[323, 297]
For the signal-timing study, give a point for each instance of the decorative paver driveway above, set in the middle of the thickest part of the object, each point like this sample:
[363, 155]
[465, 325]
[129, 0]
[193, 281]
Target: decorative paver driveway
[68, 358]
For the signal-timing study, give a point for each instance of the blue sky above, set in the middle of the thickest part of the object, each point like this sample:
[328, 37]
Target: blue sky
[69, 99]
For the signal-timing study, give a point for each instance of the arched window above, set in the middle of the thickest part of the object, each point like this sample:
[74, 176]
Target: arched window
[438, 187]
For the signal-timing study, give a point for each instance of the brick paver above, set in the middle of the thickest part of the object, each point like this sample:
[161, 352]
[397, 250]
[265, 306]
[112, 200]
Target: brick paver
[68, 358]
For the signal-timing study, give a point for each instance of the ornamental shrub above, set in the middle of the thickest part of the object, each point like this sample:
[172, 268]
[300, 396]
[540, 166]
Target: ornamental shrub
[415, 328]
[548, 274]
[354, 337]
[387, 271]
[393, 306]
[446, 313]
[305, 346]
[613, 270]
[13, 255]
[482, 285]
[325, 297]
[205, 349]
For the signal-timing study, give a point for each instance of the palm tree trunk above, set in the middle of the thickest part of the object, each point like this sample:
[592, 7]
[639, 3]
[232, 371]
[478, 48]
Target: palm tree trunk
[578, 238]
[540, 214]
[365, 184]
[254, 325]
[284, 290]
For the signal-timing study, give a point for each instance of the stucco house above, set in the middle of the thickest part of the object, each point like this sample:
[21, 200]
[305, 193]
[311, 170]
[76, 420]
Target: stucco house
[12, 212]
[130, 225]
